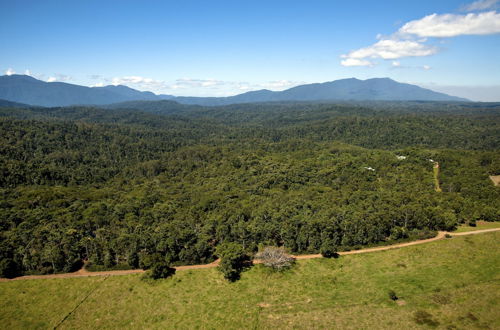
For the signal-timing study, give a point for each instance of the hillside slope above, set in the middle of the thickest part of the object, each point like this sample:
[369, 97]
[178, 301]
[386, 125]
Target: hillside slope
[28, 90]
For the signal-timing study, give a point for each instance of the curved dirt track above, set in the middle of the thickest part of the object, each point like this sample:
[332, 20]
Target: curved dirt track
[84, 273]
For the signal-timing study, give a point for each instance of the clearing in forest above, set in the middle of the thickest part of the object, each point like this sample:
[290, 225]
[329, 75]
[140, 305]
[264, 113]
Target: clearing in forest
[436, 177]
[449, 283]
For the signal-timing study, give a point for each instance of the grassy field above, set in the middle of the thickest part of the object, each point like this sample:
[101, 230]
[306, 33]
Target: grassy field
[479, 226]
[447, 284]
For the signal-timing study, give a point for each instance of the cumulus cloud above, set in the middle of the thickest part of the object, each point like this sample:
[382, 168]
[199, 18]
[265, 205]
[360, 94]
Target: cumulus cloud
[192, 86]
[451, 25]
[59, 77]
[396, 64]
[387, 49]
[355, 62]
[481, 5]
[426, 67]
[10, 72]
[411, 39]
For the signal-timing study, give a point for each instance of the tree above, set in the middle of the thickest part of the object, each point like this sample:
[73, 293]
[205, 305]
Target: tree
[275, 257]
[8, 268]
[329, 249]
[233, 260]
[157, 267]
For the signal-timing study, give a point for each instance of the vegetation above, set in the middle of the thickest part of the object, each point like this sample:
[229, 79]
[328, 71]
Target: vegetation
[115, 186]
[233, 260]
[454, 281]
[157, 267]
[275, 258]
[329, 248]
[480, 225]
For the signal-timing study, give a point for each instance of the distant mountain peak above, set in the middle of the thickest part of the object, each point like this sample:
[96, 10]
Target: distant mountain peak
[28, 90]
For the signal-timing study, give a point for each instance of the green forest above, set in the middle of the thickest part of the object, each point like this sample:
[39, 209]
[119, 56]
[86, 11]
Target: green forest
[118, 184]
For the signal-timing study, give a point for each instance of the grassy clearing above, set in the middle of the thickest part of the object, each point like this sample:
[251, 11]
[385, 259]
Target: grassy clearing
[437, 187]
[453, 282]
[479, 226]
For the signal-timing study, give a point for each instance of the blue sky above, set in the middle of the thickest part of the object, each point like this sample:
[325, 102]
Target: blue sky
[228, 47]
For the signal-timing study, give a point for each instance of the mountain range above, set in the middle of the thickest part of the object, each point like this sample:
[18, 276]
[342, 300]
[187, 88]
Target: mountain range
[28, 90]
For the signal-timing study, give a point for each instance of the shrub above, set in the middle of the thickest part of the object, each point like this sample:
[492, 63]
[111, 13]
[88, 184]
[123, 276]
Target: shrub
[329, 249]
[392, 295]
[398, 233]
[157, 267]
[447, 236]
[233, 260]
[9, 268]
[275, 258]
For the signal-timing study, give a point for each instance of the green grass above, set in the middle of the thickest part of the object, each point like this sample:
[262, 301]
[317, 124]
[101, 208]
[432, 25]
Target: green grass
[480, 225]
[447, 283]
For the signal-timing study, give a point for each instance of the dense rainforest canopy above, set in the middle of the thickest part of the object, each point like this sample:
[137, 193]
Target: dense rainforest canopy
[114, 186]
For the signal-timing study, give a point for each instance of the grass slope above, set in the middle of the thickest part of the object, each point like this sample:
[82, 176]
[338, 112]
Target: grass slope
[453, 283]
[480, 225]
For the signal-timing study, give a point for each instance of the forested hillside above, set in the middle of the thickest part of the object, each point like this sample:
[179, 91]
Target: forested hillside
[113, 186]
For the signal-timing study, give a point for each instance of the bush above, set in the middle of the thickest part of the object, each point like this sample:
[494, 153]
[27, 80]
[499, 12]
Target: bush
[392, 295]
[157, 267]
[9, 268]
[329, 249]
[275, 258]
[233, 260]
[398, 233]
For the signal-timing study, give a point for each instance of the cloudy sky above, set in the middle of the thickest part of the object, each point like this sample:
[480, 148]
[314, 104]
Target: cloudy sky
[216, 48]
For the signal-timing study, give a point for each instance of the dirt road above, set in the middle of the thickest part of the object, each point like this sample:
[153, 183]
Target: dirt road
[84, 273]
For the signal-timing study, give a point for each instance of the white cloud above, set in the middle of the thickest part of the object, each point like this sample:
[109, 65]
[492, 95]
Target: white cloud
[355, 62]
[387, 49]
[10, 72]
[426, 67]
[27, 72]
[59, 77]
[189, 82]
[451, 25]
[132, 80]
[396, 64]
[138, 82]
[280, 84]
[192, 86]
[411, 39]
[480, 5]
